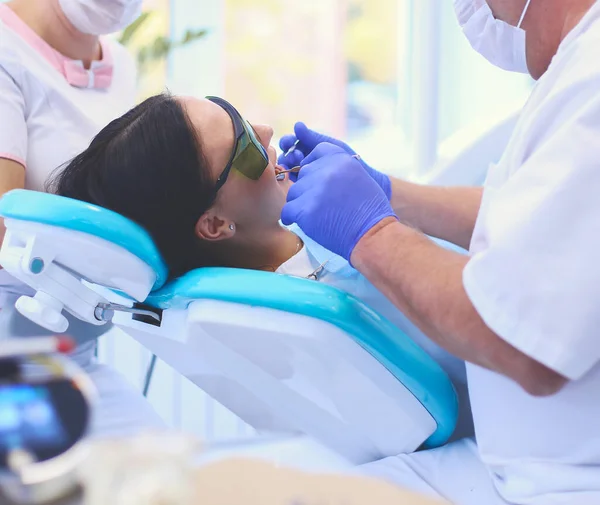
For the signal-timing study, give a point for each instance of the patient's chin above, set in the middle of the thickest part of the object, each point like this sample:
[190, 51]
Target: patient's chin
[285, 185]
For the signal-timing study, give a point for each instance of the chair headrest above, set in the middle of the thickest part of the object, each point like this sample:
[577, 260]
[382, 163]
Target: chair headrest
[80, 216]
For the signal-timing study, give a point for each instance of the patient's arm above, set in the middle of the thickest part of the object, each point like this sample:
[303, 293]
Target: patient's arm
[254, 482]
[447, 213]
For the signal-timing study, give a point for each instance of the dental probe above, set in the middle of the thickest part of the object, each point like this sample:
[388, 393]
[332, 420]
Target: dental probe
[292, 149]
[280, 176]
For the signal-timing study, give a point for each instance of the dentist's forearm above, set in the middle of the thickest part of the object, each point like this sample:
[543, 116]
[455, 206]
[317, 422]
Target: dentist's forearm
[447, 213]
[425, 282]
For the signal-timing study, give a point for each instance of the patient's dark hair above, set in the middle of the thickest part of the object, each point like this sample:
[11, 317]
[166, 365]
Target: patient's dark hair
[148, 166]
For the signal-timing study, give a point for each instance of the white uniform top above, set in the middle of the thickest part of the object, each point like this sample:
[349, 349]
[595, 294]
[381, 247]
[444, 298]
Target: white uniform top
[45, 120]
[337, 272]
[534, 277]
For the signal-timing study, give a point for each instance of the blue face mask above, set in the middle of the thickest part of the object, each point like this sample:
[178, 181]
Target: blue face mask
[503, 45]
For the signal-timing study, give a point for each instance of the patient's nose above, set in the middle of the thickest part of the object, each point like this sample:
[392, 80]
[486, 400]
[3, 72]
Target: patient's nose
[265, 134]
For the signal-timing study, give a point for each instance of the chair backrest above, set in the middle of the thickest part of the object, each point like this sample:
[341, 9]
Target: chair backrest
[394, 350]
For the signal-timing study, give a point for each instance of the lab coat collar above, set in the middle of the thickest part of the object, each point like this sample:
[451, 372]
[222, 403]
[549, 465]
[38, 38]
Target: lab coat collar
[332, 262]
[589, 18]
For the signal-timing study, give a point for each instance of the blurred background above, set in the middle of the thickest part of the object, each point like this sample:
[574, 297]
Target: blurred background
[395, 78]
[377, 74]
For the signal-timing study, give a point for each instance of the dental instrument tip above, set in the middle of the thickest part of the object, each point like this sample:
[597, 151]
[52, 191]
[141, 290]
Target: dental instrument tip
[292, 149]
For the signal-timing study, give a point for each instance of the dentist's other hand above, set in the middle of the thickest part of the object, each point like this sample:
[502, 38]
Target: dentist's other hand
[335, 201]
[309, 139]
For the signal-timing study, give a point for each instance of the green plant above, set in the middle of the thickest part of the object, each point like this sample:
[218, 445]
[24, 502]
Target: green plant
[161, 46]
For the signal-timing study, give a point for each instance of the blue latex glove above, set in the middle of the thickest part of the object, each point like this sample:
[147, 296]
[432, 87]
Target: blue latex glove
[335, 202]
[309, 139]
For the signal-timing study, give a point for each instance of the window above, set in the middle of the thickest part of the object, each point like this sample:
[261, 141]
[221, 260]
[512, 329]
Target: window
[338, 65]
[351, 68]
[471, 90]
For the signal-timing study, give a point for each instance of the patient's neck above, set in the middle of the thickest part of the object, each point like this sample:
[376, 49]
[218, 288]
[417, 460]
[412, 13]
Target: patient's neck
[267, 249]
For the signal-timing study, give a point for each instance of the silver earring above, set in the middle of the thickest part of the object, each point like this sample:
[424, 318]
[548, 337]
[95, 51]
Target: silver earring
[231, 227]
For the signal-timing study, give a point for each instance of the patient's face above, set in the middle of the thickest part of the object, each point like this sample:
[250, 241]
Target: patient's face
[250, 204]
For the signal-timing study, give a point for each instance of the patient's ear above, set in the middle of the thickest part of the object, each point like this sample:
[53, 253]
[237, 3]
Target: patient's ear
[213, 228]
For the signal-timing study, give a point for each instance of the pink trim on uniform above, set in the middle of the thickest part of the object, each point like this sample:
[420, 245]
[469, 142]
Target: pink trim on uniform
[17, 25]
[67, 67]
[12, 157]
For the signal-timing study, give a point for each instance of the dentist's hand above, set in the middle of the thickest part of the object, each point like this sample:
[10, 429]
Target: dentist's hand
[309, 139]
[335, 201]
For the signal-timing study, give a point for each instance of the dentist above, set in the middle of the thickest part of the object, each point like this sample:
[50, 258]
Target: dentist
[523, 308]
[61, 82]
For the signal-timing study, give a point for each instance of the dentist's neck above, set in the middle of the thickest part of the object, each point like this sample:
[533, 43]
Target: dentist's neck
[548, 22]
[575, 14]
[46, 18]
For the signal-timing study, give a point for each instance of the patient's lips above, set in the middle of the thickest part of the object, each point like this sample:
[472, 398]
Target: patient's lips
[282, 178]
[280, 173]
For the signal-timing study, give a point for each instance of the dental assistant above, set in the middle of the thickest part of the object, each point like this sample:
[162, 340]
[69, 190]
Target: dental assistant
[522, 307]
[61, 81]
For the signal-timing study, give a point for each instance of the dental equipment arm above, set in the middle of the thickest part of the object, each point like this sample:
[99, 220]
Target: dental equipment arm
[40, 454]
[425, 282]
[447, 213]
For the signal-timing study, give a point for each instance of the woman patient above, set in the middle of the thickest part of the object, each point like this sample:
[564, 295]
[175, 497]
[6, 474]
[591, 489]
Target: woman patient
[203, 182]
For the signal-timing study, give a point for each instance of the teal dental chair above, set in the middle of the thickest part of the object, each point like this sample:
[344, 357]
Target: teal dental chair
[285, 354]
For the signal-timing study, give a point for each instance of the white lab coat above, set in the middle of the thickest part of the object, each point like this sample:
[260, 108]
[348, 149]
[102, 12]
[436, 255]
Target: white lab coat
[534, 277]
[44, 123]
